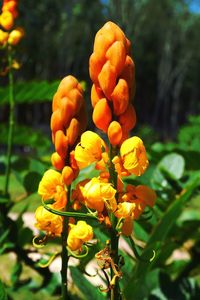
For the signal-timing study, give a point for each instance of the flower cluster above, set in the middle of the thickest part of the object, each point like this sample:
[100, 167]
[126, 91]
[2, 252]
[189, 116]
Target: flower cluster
[8, 35]
[112, 72]
[105, 196]
[68, 121]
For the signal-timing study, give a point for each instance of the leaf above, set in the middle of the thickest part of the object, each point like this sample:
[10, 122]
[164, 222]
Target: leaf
[3, 295]
[89, 291]
[16, 272]
[30, 92]
[157, 237]
[173, 165]
[24, 236]
[26, 136]
[31, 182]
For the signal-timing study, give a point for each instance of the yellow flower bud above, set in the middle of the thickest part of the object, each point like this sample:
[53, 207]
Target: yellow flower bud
[52, 187]
[15, 36]
[3, 37]
[48, 221]
[133, 155]
[79, 234]
[89, 149]
[6, 20]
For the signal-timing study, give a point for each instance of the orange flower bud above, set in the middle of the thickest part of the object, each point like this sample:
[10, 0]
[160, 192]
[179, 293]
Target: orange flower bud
[116, 54]
[103, 40]
[120, 97]
[111, 65]
[68, 83]
[77, 99]
[61, 143]
[67, 111]
[96, 94]
[56, 121]
[107, 79]
[57, 161]
[73, 131]
[6, 20]
[67, 175]
[56, 101]
[128, 118]
[128, 74]
[95, 67]
[114, 133]
[102, 115]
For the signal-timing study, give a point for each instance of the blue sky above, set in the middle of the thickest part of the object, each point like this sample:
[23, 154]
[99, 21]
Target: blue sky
[195, 6]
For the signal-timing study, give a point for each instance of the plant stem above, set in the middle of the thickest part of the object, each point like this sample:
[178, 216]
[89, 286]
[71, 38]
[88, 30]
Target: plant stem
[11, 121]
[64, 254]
[115, 292]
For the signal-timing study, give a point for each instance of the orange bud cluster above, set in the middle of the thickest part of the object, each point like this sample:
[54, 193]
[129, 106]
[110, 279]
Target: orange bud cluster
[7, 17]
[68, 121]
[11, 6]
[113, 74]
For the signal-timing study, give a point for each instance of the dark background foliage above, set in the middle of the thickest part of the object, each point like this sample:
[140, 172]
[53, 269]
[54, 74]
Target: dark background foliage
[165, 46]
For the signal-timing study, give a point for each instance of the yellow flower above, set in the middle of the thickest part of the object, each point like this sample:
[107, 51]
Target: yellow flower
[133, 155]
[125, 210]
[6, 20]
[48, 221]
[79, 234]
[52, 187]
[89, 149]
[97, 193]
[15, 36]
[3, 37]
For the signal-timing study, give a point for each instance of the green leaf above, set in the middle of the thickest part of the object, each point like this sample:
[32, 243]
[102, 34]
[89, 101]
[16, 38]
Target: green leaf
[6, 246]
[16, 272]
[173, 165]
[30, 92]
[26, 136]
[156, 239]
[31, 182]
[89, 291]
[3, 295]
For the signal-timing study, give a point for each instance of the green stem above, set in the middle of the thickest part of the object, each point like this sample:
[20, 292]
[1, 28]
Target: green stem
[11, 122]
[64, 254]
[70, 213]
[114, 243]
